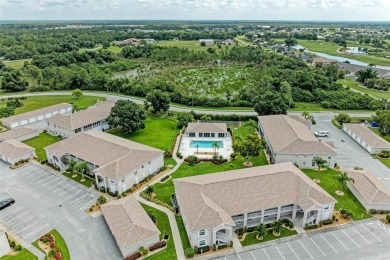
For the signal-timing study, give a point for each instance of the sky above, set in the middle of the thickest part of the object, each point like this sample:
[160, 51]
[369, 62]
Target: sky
[306, 10]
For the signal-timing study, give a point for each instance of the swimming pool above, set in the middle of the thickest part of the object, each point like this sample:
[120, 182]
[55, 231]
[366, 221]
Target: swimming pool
[204, 144]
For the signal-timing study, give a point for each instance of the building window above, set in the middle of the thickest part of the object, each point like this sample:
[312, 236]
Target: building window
[326, 206]
[330, 157]
[221, 135]
[202, 243]
[202, 232]
[212, 135]
[200, 134]
[149, 162]
[191, 134]
[142, 166]
[206, 134]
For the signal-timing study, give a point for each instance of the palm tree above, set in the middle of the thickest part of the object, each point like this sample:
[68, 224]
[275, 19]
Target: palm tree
[343, 178]
[81, 167]
[261, 231]
[305, 114]
[215, 146]
[277, 227]
[321, 163]
[71, 165]
[197, 148]
[149, 190]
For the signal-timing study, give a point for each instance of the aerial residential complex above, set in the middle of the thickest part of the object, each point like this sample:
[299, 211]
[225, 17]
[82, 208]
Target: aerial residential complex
[289, 140]
[116, 163]
[90, 118]
[213, 207]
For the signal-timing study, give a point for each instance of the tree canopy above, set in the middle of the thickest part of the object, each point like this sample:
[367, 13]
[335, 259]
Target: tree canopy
[128, 116]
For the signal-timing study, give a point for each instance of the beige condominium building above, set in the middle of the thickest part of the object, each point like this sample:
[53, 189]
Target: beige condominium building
[213, 206]
[290, 140]
[12, 151]
[116, 163]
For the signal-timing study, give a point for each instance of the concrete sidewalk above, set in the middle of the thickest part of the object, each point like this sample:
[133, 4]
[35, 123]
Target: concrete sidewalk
[38, 253]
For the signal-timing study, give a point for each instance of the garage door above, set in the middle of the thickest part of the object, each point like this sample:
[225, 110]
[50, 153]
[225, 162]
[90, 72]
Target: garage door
[23, 122]
[55, 112]
[32, 120]
[48, 115]
[69, 109]
[40, 117]
[14, 125]
[63, 111]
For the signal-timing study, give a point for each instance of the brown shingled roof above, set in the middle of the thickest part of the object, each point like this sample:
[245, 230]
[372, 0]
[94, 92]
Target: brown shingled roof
[288, 136]
[128, 222]
[208, 201]
[13, 148]
[207, 127]
[368, 136]
[16, 133]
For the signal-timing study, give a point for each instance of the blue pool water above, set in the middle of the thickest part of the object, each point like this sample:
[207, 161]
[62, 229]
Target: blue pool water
[205, 144]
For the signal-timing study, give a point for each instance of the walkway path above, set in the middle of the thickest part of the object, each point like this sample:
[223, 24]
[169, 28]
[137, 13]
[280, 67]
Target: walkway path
[38, 253]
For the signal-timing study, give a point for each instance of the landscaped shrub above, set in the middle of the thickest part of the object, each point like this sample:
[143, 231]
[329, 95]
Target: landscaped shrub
[157, 201]
[189, 252]
[388, 218]
[18, 247]
[231, 244]
[192, 160]
[158, 245]
[233, 155]
[250, 229]
[164, 178]
[214, 247]
[163, 168]
[239, 231]
[203, 249]
[133, 256]
[345, 213]
[143, 250]
[168, 154]
[178, 154]
[222, 246]
[311, 226]
[11, 243]
[45, 240]
[327, 221]
[384, 154]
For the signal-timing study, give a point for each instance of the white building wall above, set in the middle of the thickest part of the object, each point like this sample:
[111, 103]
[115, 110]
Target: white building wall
[146, 244]
[4, 246]
[304, 161]
[364, 202]
[14, 160]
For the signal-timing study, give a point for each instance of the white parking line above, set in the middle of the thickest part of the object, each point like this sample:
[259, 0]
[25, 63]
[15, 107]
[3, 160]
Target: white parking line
[75, 201]
[305, 249]
[36, 231]
[55, 179]
[292, 250]
[329, 243]
[266, 254]
[24, 222]
[3, 216]
[317, 246]
[239, 256]
[361, 236]
[280, 252]
[29, 226]
[252, 255]
[350, 238]
[340, 241]
[61, 188]
[19, 215]
[371, 232]
[69, 197]
[42, 180]
[87, 204]
[56, 186]
[66, 191]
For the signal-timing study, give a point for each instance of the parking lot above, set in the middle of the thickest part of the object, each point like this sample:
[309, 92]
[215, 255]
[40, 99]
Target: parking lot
[323, 245]
[61, 189]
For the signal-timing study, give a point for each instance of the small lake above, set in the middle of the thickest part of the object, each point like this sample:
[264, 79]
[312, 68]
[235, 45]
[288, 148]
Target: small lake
[340, 59]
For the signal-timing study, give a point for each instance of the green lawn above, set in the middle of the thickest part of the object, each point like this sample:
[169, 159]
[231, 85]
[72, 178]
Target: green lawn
[355, 85]
[159, 133]
[168, 161]
[41, 141]
[24, 254]
[314, 107]
[183, 234]
[165, 190]
[330, 185]
[60, 243]
[331, 49]
[115, 49]
[87, 183]
[250, 238]
[16, 64]
[385, 161]
[36, 102]
[165, 228]
[191, 45]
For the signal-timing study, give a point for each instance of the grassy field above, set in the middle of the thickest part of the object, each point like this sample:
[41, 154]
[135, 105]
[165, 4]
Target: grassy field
[250, 238]
[191, 45]
[183, 234]
[331, 49]
[41, 141]
[159, 133]
[16, 64]
[115, 49]
[165, 228]
[87, 183]
[330, 185]
[168, 161]
[355, 85]
[36, 102]
[24, 254]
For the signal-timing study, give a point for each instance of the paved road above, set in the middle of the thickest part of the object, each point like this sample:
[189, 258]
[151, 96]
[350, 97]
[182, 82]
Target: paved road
[175, 108]
[349, 152]
[39, 194]
[366, 239]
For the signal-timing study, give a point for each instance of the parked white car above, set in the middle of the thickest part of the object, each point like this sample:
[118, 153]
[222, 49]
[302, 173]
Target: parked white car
[322, 134]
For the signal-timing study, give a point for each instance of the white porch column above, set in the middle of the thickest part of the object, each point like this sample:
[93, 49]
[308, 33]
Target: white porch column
[245, 219]
[318, 218]
[294, 214]
[278, 214]
[304, 219]
[214, 237]
[262, 216]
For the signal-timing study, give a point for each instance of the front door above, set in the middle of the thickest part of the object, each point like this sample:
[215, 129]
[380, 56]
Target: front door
[123, 186]
[136, 180]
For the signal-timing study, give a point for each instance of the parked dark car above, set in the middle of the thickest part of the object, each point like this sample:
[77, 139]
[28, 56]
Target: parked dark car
[5, 203]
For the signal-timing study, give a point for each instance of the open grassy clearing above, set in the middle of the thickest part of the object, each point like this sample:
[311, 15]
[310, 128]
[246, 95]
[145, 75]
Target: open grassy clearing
[347, 201]
[191, 45]
[87, 183]
[183, 233]
[24, 254]
[331, 49]
[315, 107]
[355, 85]
[165, 228]
[158, 132]
[250, 238]
[16, 64]
[37, 102]
[115, 49]
[41, 141]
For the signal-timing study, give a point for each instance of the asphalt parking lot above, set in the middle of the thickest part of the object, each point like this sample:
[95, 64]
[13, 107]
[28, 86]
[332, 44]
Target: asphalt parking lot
[47, 201]
[324, 245]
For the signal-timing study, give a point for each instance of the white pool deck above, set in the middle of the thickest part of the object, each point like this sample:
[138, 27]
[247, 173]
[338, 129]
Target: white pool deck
[186, 150]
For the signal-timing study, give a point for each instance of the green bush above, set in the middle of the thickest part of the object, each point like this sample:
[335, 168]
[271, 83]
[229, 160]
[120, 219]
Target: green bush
[233, 155]
[46, 240]
[163, 168]
[189, 252]
[231, 244]
[345, 213]
[11, 243]
[18, 247]
[388, 218]
[192, 160]
[203, 249]
[143, 250]
[327, 221]
[214, 247]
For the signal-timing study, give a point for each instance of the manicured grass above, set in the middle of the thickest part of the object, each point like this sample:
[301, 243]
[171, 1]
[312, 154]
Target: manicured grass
[41, 141]
[36, 102]
[60, 243]
[191, 45]
[159, 133]
[314, 107]
[87, 183]
[330, 185]
[250, 238]
[24, 254]
[331, 49]
[16, 64]
[165, 190]
[183, 234]
[355, 85]
[115, 49]
[165, 228]
[385, 162]
[168, 161]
